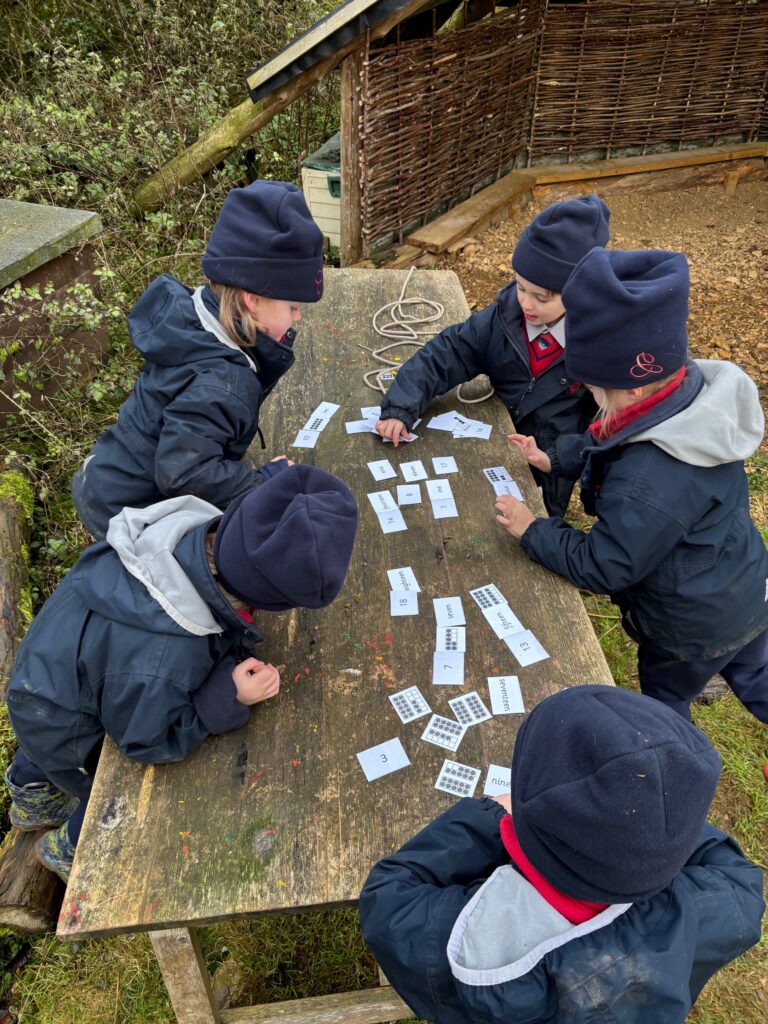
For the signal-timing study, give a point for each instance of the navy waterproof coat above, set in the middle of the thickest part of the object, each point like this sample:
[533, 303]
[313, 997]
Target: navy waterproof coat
[494, 342]
[136, 641]
[674, 545]
[193, 411]
[463, 937]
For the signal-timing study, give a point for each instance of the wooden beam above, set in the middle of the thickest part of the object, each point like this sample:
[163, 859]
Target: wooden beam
[369, 1006]
[351, 213]
[30, 895]
[185, 975]
[209, 150]
[513, 191]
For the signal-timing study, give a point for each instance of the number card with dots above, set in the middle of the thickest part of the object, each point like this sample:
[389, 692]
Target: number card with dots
[409, 704]
[469, 709]
[487, 596]
[444, 732]
[495, 474]
[458, 779]
[451, 638]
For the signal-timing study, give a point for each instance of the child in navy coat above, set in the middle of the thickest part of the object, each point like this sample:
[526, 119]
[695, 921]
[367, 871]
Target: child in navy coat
[211, 357]
[149, 637]
[596, 892]
[518, 341]
[663, 471]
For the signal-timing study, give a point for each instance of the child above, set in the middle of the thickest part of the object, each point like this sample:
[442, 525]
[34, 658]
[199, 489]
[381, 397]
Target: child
[662, 470]
[602, 895]
[148, 637]
[517, 341]
[211, 357]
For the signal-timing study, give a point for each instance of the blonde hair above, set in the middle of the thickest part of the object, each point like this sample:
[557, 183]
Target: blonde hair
[234, 316]
[608, 411]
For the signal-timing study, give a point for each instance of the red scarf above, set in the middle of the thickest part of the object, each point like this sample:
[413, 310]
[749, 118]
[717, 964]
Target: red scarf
[634, 412]
[573, 910]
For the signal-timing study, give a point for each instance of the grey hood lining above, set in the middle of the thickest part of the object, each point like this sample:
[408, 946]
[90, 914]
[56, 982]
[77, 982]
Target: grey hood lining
[144, 540]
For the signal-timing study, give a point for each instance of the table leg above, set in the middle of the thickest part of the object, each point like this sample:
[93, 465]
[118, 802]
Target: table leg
[185, 975]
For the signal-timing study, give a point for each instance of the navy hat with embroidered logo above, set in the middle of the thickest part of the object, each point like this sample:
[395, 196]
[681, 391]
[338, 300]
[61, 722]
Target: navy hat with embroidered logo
[554, 242]
[266, 242]
[625, 317]
[287, 543]
[610, 792]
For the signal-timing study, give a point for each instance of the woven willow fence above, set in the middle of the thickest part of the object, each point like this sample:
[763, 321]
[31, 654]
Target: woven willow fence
[445, 116]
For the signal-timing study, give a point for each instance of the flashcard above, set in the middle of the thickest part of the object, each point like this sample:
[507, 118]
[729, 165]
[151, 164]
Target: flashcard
[458, 779]
[487, 596]
[413, 470]
[403, 602]
[360, 427]
[387, 376]
[392, 522]
[323, 413]
[403, 579]
[474, 428]
[526, 648]
[445, 464]
[439, 490]
[371, 412]
[383, 759]
[408, 494]
[445, 421]
[306, 439]
[444, 732]
[469, 709]
[403, 440]
[449, 611]
[445, 509]
[382, 501]
[502, 620]
[498, 780]
[448, 668]
[451, 638]
[508, 487]
[382, 470]
[409, 704]
[505, 695]
[496, 474]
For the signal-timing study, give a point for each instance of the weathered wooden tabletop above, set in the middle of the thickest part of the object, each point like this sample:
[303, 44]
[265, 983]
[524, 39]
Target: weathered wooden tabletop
[278, 815]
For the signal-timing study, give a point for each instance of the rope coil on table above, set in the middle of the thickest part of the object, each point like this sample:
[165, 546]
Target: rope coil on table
[402, 328]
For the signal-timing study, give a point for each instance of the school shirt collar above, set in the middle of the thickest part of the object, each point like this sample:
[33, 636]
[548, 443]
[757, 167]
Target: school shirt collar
[557, 331]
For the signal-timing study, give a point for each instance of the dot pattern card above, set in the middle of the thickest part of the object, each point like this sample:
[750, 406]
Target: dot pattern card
[469, 709]
[487, 596]
[451, 638]
[444, 732]
[409, 704]
[458, 779]
[496, 474]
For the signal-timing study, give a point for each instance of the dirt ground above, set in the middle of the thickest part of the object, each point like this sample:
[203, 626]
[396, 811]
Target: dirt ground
[724, 237]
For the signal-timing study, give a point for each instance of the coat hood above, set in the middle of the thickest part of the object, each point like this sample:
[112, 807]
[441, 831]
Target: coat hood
[166, 329]
[724, 423]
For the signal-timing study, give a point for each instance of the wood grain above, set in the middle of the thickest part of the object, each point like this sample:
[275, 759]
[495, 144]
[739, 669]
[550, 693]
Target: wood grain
[278, 816]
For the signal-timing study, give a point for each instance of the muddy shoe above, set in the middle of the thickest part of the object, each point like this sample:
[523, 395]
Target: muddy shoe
[714, 690]
[39, 805]
[55, 851]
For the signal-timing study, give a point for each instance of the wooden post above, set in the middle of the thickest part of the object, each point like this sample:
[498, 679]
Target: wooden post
[351, 211]
[30, 895]
[185, 975]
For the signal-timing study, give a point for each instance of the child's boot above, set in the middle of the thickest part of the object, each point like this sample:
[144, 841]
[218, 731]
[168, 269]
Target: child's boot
[56, 852]
[38, 805]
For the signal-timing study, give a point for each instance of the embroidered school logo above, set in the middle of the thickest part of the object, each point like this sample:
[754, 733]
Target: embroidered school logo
[319, 285]
[645, 367]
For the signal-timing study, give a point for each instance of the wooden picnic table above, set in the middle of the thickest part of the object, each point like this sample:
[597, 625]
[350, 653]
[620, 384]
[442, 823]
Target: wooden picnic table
[278, 816]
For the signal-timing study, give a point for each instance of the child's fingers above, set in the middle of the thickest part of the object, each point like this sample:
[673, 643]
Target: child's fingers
[251, 665]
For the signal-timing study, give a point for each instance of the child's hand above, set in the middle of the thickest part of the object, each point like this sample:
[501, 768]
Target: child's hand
[531, 451]
[514, 516]
[394, 430]
[505, 799]
[279, 458]
[255, 681]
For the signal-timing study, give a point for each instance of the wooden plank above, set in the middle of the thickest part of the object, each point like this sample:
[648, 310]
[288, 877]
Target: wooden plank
[369, 1006]
[351, 248]
[30, 895]
[514, 190]
[185, 975]
[277, 816]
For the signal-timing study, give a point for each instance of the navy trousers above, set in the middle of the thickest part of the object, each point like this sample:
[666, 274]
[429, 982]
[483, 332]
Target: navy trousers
[676, 683]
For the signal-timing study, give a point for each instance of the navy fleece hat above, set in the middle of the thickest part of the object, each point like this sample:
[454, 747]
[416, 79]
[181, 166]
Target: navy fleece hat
[266, 242]
[287, 543]
[554, 242]
[625, 317]
[610, 792]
